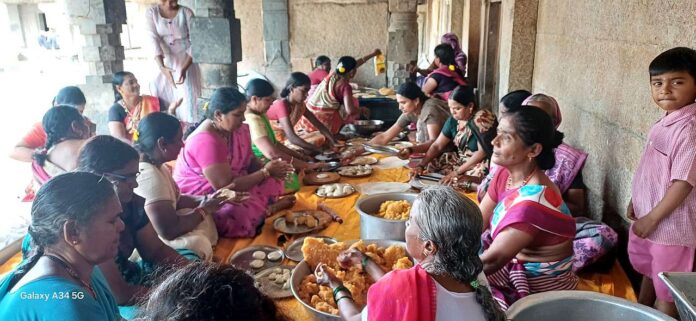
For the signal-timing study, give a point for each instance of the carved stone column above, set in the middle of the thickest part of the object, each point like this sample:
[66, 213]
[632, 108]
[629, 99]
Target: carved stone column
[276, 41]
[216, 43]
[402, 46]
[99, 23]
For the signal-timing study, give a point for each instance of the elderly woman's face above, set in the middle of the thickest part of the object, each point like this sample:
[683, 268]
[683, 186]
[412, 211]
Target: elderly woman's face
[508, 147]
[99, 239]
[414, 245]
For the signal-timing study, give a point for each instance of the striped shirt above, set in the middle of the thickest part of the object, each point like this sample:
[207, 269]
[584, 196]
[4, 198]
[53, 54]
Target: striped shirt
[669, 155]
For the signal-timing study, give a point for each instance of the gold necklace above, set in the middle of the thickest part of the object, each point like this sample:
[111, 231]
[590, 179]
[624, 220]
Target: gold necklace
[68, 268]
[508, 184]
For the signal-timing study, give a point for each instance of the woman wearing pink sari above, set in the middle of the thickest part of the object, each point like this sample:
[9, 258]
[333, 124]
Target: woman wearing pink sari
[167, 29]
[530, 246]
[217, 154]
[442, 236]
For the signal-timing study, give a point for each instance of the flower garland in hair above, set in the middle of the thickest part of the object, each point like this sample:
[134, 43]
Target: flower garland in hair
[136, 135]
[451, 67]
[340, 68]
[205, 107]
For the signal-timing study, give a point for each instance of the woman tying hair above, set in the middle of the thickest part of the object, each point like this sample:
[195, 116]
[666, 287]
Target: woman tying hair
[332, 102]
[443, 80]
[66, 132]
[70, 96]
[472, 131]
[442, 236]
[208, 291]
[218, 153]
[75, 226]
[428, 114]
[129, 280]
[530, 246]
[285, 113]
[130, 107]
[182, 221]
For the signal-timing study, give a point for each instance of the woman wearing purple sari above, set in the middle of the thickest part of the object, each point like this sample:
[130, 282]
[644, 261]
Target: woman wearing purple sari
[217, 154]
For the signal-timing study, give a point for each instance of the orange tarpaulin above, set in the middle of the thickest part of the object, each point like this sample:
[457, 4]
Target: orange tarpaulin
[614, 283]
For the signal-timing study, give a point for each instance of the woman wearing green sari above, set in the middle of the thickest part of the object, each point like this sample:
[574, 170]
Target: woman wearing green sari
[265, 146]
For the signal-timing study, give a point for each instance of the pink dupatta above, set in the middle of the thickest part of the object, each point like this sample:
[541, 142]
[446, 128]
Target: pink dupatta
[405, 295]
[454, 75]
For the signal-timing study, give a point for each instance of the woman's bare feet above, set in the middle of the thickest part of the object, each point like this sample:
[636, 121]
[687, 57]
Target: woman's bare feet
[283, 203]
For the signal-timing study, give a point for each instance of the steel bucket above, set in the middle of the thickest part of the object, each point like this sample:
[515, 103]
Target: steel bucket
[377, 228]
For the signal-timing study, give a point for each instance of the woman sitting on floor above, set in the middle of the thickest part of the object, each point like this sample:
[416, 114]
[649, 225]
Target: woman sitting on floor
[259, 94]
[130, 107]
[182, 221]
[531, 228]
[70, 96]
[66, 132]
[429, 115]
[287, 111]
[332, 101]
[208, 291]
[471, 130]
[75, 225]
[443, 80]
[218, 154]
[129, 279]
[442, 236]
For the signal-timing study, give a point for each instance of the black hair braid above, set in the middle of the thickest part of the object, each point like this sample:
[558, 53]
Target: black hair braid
[57, 123]
[491, 310]
[33, 256]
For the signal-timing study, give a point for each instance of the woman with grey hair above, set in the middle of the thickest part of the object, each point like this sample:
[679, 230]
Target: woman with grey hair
[443, 237]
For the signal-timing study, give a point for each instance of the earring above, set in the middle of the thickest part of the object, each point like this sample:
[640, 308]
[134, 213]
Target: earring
[74, 242]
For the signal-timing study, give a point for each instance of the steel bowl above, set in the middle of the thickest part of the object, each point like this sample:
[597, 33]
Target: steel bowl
[302, 269]
[366, 127]
[373, 227]
[580, 306]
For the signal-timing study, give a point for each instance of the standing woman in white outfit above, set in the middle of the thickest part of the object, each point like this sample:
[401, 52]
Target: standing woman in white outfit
[167, 25]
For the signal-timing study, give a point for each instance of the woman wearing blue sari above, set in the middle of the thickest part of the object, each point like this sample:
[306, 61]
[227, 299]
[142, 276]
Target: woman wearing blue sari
[75, 226]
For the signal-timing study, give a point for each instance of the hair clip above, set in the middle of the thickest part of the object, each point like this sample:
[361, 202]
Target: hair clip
[475, 284]
[451, 67]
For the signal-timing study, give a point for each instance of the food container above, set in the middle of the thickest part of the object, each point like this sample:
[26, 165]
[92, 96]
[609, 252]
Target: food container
[302, 269]
[580, 306]
[683, 288]
[374, 227]
[366, 127]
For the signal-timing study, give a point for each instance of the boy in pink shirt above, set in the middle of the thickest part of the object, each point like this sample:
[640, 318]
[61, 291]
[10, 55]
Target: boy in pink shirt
[663, 235]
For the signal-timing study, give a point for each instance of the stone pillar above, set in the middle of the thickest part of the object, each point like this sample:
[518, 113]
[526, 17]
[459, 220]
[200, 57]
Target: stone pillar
[402, 45]
[518, 26]
[276, 41]
[99, 23]
[216, 43]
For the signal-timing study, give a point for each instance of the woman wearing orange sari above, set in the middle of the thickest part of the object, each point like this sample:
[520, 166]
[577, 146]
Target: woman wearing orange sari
[287, 111]
[130, 107]
[332, 101]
